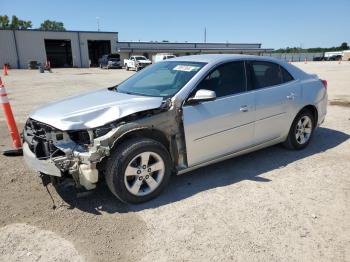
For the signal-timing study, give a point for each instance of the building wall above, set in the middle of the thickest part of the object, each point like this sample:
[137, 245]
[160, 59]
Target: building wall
[31, 45]
[85, 36]
[7, 49]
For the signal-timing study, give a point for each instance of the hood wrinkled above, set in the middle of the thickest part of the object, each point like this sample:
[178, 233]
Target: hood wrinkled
[93, 109]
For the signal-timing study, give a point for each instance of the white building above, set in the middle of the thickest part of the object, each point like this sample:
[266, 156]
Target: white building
[61, 48]
[84, 48]
[149, 49]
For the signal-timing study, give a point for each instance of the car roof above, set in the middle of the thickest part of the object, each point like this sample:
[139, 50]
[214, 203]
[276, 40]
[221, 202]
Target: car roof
[212, 59]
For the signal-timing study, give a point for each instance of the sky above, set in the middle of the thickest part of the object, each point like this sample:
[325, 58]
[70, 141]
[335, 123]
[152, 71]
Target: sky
[274, 23]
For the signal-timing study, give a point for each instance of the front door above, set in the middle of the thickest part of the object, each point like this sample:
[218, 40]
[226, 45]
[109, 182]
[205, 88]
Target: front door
[225, 125]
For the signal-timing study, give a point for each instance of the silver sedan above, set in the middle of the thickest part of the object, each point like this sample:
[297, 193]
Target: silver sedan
[172, 117]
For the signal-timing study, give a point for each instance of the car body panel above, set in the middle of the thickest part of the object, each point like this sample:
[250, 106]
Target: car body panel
[93, 109]
[218, 127]
[275, 109]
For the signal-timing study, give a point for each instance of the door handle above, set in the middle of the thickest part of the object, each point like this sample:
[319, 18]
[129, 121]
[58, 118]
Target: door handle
[243, 109]
[291, 96]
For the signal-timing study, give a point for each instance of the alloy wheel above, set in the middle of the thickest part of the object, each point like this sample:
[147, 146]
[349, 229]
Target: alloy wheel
[303, 130]
[144, 173]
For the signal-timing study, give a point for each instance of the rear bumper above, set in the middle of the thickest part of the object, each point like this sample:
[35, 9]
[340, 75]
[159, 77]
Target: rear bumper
[42, 166]
[322, 109]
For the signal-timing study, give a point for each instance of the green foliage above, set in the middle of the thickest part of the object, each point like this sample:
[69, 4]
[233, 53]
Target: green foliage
[343, 46]
[15, 23]
[52, 25]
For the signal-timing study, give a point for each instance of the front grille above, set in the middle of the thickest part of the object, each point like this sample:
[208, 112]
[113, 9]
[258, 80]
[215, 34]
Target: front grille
[37, 135]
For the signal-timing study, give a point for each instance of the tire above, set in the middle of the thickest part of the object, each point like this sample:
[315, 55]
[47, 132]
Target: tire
[299, 137]
[136, 188]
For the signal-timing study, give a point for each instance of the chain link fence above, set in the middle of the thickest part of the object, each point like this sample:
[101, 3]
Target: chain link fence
[294, 57]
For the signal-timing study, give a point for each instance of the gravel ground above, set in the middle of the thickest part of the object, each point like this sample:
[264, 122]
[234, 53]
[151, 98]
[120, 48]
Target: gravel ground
[270, 205]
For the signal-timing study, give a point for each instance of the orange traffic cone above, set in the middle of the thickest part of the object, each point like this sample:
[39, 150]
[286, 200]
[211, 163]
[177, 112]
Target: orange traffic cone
[5, 70]
[11, 124]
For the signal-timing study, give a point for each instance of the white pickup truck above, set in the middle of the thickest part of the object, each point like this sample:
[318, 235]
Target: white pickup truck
[136, 62]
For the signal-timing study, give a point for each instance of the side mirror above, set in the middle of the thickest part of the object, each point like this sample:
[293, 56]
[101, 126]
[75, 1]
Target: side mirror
[202, 95]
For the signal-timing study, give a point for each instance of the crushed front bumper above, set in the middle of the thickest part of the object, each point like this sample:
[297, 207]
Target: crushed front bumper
[42, 166]
[84, 174]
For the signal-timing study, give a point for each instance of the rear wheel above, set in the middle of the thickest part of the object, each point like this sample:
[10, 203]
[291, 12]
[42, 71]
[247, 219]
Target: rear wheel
[138, 170]
[301, 131]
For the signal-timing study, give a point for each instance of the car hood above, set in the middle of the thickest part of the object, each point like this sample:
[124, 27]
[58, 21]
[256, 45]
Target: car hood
[92, 109]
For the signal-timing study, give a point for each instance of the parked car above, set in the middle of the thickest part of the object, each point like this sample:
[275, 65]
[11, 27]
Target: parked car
[173, 117]
[110, 61]
[136, 62]
[162, 56]
[335, 58]
[319, 58]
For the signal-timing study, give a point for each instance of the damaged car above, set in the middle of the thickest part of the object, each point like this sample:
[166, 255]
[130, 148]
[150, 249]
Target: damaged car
[173, 117]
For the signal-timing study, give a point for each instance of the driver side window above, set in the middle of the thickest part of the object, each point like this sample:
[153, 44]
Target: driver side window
[227, 79]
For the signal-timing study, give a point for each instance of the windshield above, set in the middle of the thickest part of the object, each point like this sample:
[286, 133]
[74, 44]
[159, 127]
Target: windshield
[161, 79]
[140, 58]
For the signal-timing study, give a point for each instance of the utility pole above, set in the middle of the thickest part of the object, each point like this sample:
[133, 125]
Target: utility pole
[98, 23]
[205, 34]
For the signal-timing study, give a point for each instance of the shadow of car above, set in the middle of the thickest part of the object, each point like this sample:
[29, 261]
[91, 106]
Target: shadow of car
[218, 175]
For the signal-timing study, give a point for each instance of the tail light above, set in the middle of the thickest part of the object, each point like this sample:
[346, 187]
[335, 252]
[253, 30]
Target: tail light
[325, 83]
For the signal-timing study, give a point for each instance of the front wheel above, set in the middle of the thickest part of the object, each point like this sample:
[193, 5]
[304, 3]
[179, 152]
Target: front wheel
[138, 170]
[301, 131]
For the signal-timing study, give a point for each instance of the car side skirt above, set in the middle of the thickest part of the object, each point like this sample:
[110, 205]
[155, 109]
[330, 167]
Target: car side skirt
[234, 154]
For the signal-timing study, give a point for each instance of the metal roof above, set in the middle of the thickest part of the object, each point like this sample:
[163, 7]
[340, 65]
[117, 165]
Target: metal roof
[173, 46]
[59, 31]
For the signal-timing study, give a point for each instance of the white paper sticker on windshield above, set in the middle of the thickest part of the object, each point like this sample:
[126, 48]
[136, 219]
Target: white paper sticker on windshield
[186, 68]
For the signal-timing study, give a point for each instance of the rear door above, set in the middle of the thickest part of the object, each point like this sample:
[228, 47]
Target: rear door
[276, 94]
[225, 125]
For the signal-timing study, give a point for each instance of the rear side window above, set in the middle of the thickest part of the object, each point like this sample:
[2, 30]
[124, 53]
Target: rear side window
[286, 76]
[226, 79]
[265, 74]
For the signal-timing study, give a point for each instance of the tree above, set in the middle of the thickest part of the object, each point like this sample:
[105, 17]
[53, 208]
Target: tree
[4, 22]
[52, 25]
[15, 23]
[344, 46]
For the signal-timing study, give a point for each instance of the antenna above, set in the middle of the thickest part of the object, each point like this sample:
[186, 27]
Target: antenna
[205, 34]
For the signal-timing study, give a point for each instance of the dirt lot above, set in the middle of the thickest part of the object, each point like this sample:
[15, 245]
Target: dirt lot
[271, 205]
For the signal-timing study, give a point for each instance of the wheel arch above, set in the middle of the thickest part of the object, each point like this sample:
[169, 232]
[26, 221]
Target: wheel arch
[313, 110]
[145, 132]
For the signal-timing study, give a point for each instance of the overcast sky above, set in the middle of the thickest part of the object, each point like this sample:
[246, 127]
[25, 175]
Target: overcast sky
[274, 23]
